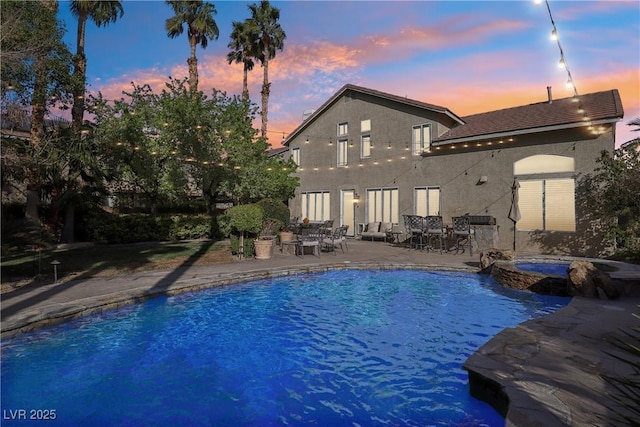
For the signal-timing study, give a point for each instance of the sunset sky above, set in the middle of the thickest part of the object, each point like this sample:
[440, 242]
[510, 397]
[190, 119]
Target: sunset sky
[468, 56]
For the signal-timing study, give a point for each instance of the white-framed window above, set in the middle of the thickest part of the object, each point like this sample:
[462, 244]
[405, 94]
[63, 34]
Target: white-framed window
[547, 204]
[316, 205]
[427, 201]
[343, 147]
[382, 205]
[343, 129]
[421, 139]
[365, 138]
[295, 155]
[365, 144]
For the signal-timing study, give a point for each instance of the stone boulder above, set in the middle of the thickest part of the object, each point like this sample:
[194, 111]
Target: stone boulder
[587, 281]
[489, 256]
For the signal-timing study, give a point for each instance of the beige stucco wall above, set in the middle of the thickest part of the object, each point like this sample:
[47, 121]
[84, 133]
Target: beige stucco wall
[456, 171]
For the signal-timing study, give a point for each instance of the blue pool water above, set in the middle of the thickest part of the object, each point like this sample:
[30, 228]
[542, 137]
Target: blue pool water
[557, 269]
[337, 348]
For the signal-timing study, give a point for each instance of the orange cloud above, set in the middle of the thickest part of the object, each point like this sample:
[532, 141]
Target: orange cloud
[455, 31]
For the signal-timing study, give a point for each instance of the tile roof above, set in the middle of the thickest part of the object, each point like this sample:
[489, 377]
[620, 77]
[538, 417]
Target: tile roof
[599, 106]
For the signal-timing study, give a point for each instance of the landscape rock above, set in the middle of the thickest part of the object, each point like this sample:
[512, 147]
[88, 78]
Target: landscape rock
[584, 279]
[490, 256]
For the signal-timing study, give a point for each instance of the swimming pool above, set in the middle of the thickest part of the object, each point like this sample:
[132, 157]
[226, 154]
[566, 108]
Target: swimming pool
[338, 348]
[557, 269]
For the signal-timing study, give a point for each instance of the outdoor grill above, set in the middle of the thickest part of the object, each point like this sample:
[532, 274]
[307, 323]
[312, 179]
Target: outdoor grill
[481, 220]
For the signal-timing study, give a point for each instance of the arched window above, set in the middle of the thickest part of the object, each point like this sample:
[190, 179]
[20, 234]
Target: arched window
[543, 163]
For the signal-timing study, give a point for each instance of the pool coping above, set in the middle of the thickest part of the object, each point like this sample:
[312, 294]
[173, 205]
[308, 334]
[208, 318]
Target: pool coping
[29, 320]
[519, 364]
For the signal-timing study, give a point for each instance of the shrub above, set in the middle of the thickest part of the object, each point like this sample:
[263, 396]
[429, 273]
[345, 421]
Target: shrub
[239, 222]
[275, 210]
[106, 228]
[242, 219]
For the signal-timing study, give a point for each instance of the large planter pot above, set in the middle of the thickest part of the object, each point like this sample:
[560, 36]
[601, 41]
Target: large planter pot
[264, 249]
[286, 236]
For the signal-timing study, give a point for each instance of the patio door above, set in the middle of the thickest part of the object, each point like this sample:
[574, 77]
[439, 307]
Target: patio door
[348, 210]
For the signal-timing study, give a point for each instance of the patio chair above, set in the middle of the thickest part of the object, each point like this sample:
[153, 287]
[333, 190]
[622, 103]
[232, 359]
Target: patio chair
[462, 233]
[414, 224]
[343, 238]
[435, 231]
[309, 236]
[334, 239]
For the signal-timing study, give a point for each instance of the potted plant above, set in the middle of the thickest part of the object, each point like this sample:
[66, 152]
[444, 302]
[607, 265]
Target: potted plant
[242, 221]
[278, 211]
[266, 239]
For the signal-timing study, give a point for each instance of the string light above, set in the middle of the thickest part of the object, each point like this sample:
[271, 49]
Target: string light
[562, 63]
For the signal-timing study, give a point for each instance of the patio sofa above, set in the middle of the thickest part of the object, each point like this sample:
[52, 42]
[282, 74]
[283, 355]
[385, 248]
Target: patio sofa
[377, 230]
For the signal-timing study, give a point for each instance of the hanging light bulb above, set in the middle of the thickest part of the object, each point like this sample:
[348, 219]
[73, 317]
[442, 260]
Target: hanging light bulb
[554, 35]
[569, 84]
[561, 64]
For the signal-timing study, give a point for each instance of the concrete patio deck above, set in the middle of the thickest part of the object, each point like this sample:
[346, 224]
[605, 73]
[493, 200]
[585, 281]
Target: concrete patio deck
[544, 372]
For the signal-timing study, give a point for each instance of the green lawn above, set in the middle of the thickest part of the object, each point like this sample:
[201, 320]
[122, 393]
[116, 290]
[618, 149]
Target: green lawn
[112, 260]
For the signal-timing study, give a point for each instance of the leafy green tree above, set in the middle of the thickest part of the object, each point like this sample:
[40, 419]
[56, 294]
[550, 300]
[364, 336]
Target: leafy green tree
[201, 27]
[182, 142]
[35, 71]
[613, 193]
[243, 49]
[270, 38]
[137, 152]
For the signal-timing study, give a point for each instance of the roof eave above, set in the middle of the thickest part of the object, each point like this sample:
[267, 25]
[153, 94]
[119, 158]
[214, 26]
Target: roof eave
[523, 131]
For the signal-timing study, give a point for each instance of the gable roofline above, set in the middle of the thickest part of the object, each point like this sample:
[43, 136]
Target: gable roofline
[598, 108]
[375, 93]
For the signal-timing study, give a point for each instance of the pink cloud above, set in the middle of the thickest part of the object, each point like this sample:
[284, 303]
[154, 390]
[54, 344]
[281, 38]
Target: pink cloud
[574, 11]
[455, 31]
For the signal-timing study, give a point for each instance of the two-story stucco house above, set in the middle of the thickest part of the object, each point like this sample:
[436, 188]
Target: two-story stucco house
[367, 156]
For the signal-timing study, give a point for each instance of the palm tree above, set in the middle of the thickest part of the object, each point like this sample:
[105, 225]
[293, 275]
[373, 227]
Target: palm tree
[201, 27]
[101, 13]
[242, 50]
[270, 38]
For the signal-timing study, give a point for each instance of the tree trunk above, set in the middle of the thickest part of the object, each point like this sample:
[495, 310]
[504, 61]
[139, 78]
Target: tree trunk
[68, 229]
[36, 131]
[245, 82]
[80, 77]
[193, 66]
[33, 198]
[77, 121]
[265, 92]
